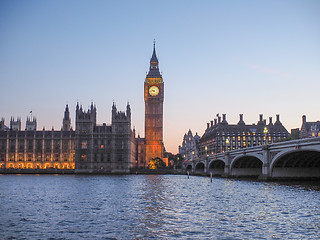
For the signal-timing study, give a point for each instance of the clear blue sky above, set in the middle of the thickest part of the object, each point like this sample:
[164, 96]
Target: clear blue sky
[230, 57]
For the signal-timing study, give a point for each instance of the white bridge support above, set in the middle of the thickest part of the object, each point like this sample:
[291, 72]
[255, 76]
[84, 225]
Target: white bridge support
[290, 159]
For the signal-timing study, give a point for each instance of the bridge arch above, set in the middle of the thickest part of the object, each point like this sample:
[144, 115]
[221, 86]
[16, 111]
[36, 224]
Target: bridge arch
[248, 165]
[296, 163]
[216, 167]
[199, 168]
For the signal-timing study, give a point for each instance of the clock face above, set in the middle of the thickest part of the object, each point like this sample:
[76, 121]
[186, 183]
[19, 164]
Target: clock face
[154, 91]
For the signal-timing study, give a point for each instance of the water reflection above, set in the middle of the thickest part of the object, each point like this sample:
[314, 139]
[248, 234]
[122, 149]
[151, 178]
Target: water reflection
[155, 206]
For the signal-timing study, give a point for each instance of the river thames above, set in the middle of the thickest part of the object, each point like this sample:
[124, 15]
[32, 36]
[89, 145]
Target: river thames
[155, 207]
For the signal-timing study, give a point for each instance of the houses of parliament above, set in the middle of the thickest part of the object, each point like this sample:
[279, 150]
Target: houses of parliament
[90, 148]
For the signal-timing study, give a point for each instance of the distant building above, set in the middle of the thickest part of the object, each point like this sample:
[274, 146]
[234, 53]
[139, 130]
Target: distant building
[140, 158]
[2, 124]
[31, 124]
[189, 147]
[15, 125]
[221, 136]
[33, 149]
[295, 133]
[153, 98]
[104, 148]
[309, 129]
[90, 148]
[152, 146]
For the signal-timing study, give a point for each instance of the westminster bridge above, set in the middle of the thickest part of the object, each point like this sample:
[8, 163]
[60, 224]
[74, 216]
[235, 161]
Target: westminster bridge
[290, 159]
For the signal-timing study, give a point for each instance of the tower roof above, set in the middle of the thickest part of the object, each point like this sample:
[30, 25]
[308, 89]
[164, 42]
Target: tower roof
[154, 65]
[154, 55]
[67, 113]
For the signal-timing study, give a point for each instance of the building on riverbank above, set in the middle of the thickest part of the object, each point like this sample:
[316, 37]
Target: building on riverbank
[36, 149]
[189, 147]
[89, 148]
[104, 148]
[153, 98]
[309, 129]
[220, 136]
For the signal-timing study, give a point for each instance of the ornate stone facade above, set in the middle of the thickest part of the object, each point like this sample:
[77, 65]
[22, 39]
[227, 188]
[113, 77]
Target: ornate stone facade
[221, 136]
[154, 97]
[309, 129]
[91, 148]
[104, 148]
[189, 147]
[33, 149]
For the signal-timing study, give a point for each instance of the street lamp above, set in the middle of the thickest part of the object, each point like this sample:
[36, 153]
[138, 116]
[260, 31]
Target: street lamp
[265, 131]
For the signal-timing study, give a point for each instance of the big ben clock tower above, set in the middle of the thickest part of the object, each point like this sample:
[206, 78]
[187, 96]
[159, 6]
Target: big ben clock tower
[153, 97]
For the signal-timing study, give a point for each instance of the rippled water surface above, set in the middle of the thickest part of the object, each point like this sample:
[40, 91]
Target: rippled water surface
[154, 207]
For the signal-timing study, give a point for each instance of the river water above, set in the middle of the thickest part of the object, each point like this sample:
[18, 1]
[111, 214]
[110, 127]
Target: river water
[155, 207]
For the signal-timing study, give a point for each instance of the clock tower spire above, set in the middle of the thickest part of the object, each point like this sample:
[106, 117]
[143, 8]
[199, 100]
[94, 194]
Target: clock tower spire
[154, 97]
[154, 64]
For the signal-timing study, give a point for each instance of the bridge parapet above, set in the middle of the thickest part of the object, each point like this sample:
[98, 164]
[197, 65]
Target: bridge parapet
[293, 143]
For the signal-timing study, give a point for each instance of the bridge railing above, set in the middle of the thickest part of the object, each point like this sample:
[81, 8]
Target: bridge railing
[297, 142]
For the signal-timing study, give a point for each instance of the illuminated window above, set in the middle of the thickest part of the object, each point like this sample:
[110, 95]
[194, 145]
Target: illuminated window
[101, 146]
[84, 144]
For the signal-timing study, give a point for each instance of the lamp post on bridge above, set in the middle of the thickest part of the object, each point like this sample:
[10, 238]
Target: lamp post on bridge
[265, 131]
